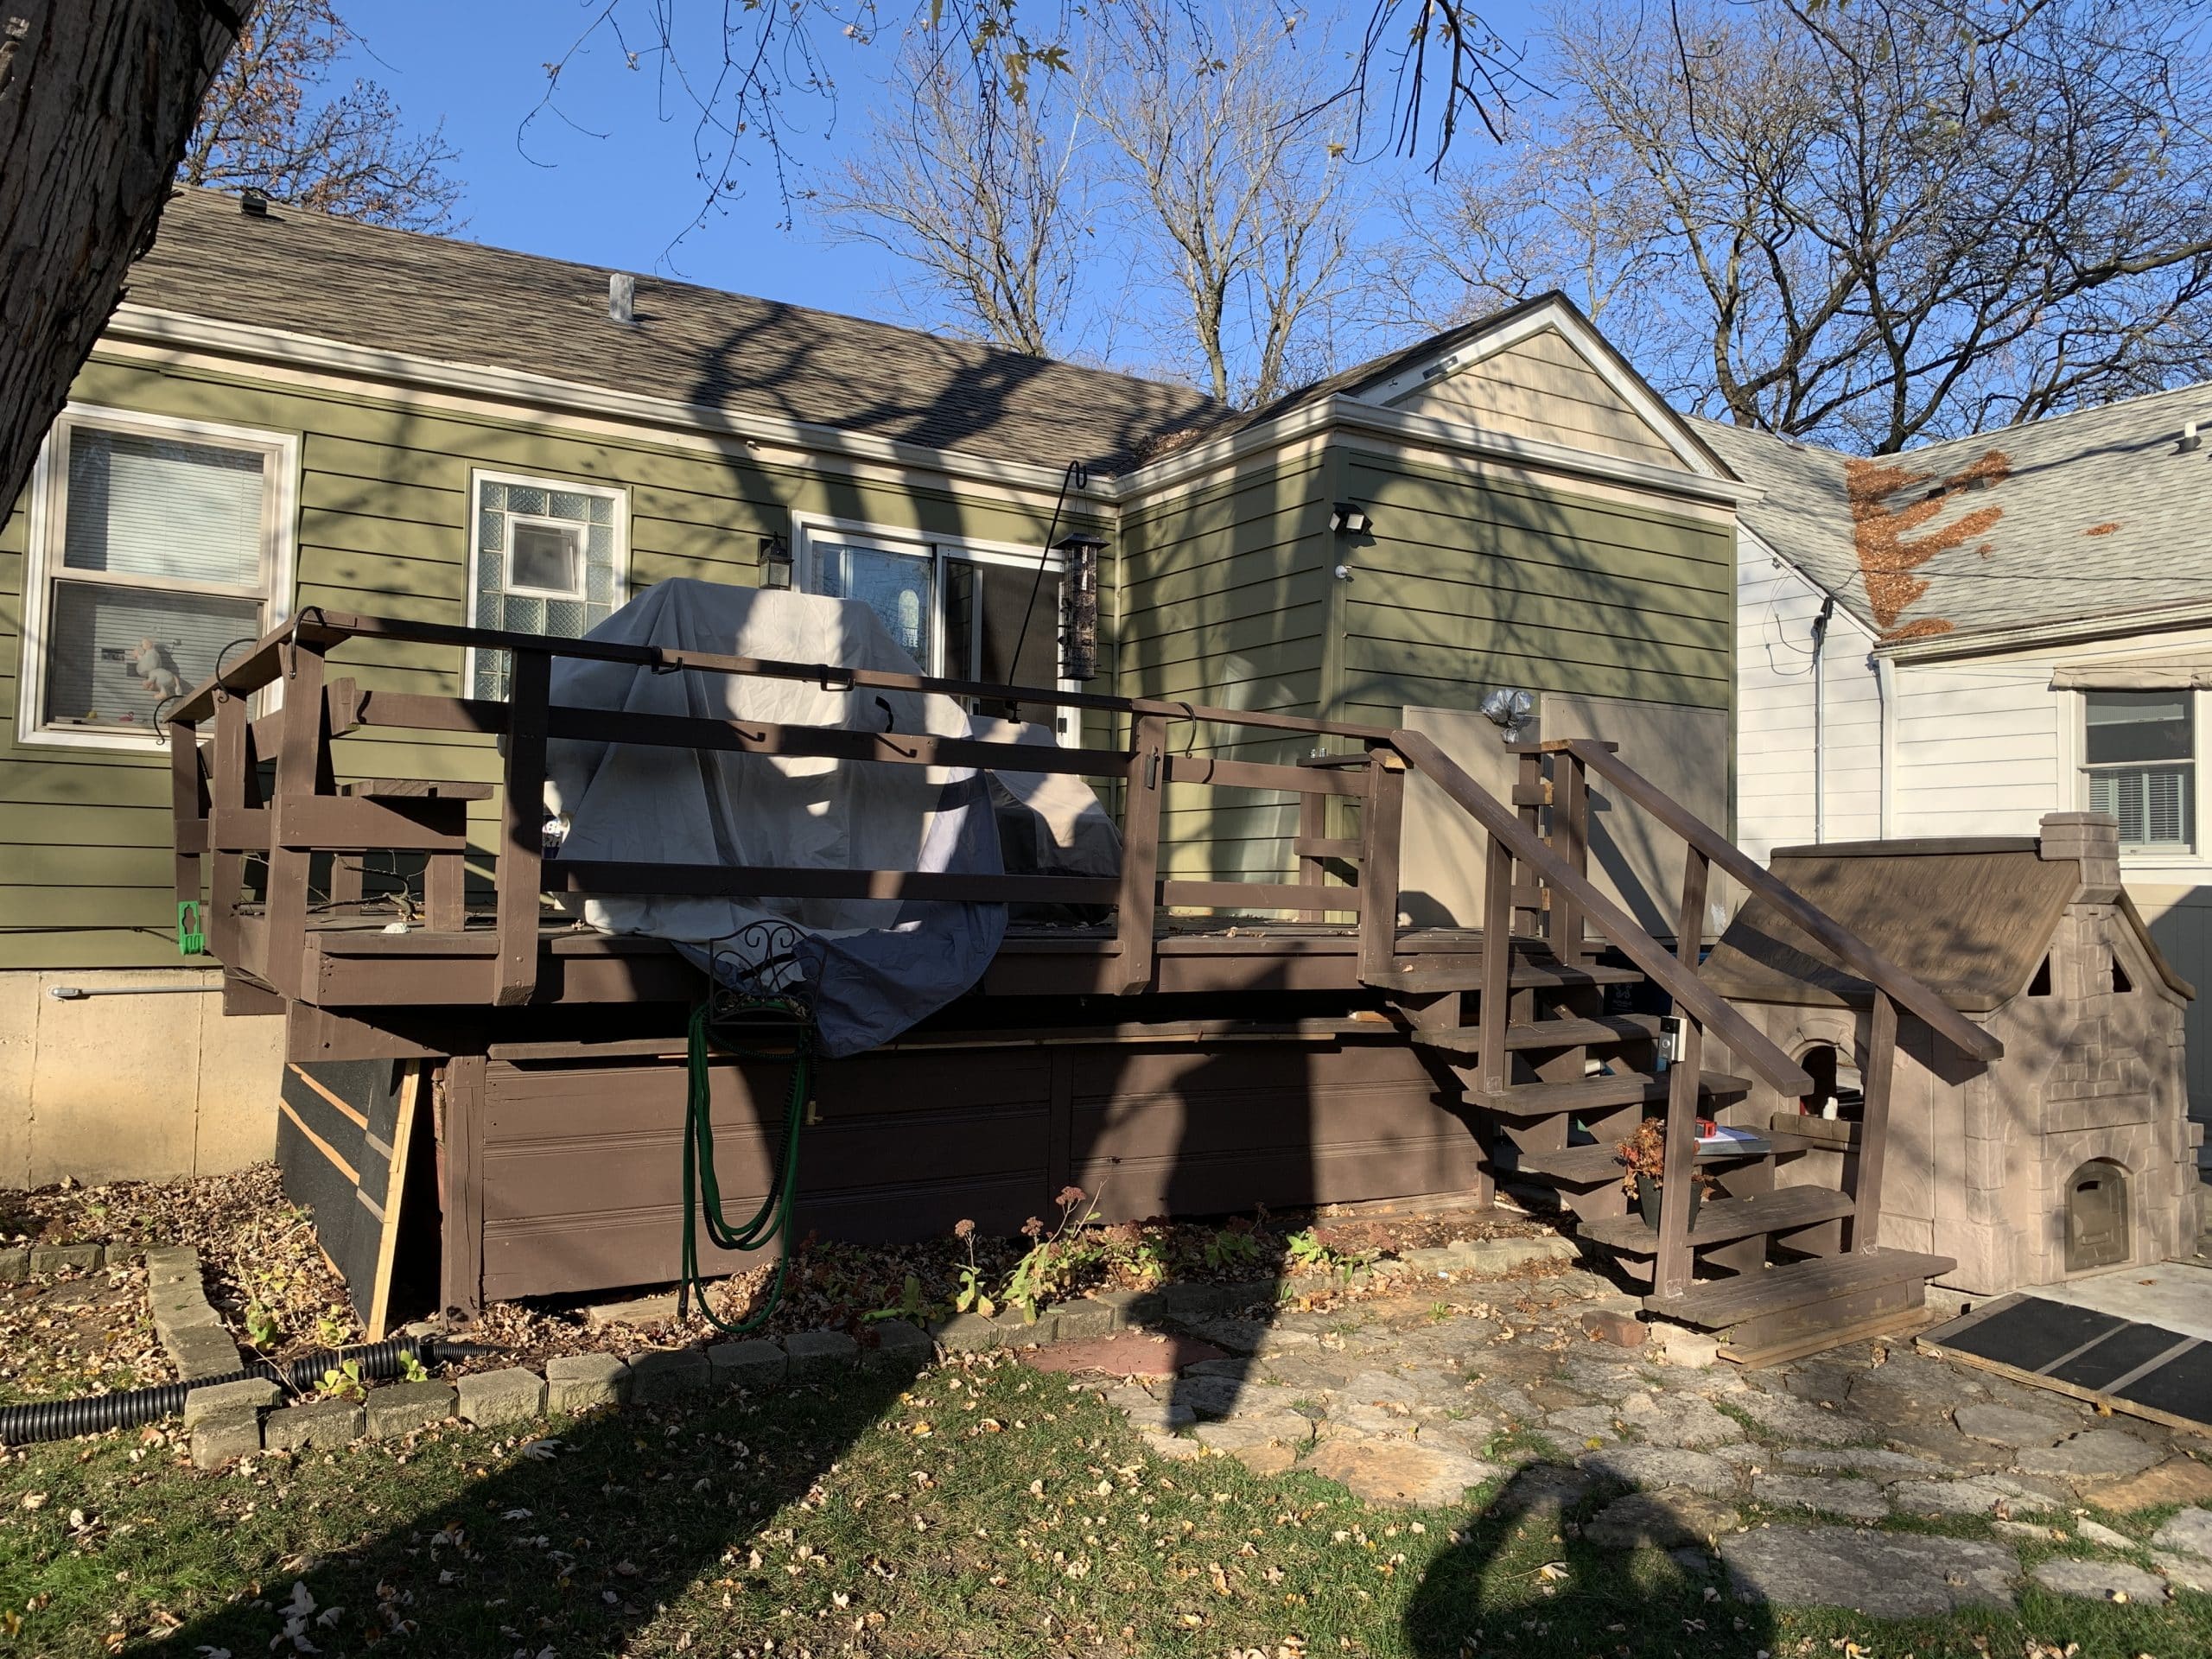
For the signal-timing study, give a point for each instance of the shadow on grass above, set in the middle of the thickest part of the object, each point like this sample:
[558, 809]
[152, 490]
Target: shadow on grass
[573, 1552]
[1518, 1578]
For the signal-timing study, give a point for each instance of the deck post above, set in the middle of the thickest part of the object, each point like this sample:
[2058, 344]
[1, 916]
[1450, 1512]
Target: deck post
[1382, 823]
[1137, 902]
[1672, 1272]
[1570, 841]
[188, 806]
[301, 765]
[1496, 1011]
[522, 839]
[1862, 1228]
[1529, 776]
[1312, 826]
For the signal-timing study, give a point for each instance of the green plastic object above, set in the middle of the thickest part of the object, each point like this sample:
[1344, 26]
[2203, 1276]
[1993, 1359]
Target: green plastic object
[191, 935]
[702, 1192]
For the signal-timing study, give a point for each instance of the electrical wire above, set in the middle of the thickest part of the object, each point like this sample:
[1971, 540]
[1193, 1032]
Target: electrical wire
[1077, 477]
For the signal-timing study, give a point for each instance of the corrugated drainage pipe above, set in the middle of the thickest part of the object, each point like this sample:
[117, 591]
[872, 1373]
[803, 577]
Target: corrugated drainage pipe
[91, 1413]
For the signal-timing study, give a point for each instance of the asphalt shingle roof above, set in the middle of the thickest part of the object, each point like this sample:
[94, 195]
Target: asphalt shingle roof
[464, 303]
[2090, 514]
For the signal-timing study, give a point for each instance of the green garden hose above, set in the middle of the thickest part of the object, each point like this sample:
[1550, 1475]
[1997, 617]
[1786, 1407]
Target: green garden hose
[702, 1192]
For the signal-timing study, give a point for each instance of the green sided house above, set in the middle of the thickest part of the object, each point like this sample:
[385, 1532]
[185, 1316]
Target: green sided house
[290, 411]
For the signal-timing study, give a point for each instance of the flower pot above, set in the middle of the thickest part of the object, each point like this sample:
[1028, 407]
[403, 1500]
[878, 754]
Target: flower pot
[1648, 1194]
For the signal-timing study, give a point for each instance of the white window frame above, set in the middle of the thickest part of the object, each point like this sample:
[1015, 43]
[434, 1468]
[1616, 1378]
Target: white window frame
[43, 563]
[477, 477]
[810, 533]
[2189, 861]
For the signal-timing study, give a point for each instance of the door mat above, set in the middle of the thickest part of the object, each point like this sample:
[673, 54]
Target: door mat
[2143, 1370]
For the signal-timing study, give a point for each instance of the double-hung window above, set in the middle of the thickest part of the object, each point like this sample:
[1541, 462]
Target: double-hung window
[156, 545]
[2139, 751]
[960, 612]
[545, 557]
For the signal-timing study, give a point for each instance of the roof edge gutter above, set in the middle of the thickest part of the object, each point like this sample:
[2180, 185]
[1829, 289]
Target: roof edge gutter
[1991, 641]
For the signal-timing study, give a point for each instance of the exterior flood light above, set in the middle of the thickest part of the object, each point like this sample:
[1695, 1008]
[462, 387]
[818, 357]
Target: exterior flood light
[1079, 604]
[775, 561]
[1349, 518]
[1509, 710]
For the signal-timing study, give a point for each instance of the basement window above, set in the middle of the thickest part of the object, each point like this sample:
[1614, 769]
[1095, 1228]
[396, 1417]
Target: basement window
[156, 546]
[2139, 751]
[547, 557]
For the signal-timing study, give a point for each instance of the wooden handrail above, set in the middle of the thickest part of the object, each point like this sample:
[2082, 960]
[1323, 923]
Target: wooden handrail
[325, 629]
[1680, 982]
[1849, 948]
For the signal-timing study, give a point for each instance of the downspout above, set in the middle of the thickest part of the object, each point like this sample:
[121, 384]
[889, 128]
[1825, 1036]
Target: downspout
[1820, 722]
[1885, 693]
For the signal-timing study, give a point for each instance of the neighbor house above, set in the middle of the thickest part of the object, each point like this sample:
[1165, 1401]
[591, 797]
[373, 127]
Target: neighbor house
[289, 411]
[1962, 640]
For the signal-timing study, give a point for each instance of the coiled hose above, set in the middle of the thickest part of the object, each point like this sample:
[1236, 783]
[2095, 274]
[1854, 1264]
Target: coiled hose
[61, 1419]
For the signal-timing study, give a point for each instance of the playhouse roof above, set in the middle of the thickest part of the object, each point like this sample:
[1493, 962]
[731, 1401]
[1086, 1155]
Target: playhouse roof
[1971, 920]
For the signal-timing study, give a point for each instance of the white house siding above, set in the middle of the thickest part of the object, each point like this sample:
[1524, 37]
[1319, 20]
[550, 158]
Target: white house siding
[1976, 747]
[1775, 611]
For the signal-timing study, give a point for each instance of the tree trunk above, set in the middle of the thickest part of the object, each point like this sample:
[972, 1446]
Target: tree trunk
[97, 102]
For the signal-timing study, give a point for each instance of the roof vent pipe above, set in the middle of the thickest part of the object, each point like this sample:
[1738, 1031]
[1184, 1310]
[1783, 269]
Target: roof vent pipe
[2191, 439]
[253, 203]
[622, 298]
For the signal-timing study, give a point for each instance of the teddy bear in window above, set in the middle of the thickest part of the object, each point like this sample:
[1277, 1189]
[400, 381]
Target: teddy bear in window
[156, 669]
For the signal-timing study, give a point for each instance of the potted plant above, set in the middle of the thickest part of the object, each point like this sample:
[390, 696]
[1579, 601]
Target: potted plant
[1645, 1178]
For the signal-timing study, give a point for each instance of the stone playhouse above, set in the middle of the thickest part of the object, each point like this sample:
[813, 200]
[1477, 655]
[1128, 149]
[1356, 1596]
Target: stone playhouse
[1503, 1370]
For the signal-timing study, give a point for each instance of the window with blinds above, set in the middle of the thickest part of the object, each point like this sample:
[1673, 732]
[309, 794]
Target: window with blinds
[159, 545]
[2140, 751]
[547, 558]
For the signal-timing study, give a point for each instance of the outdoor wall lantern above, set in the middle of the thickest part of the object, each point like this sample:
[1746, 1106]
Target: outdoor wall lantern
[1349, 518]
[775, 561]
[1079, 604]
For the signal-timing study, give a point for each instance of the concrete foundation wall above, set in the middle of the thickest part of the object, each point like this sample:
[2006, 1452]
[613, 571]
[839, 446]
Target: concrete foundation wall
[132, 1087]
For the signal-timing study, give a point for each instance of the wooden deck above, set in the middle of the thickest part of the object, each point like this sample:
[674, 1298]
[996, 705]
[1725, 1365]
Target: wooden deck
[1214, 1045]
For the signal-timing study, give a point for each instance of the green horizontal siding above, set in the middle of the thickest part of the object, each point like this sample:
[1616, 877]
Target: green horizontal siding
[383, 498]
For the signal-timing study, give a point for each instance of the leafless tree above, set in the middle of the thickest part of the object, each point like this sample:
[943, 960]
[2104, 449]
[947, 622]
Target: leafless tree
[96, 103]
[270, 125]
[1870, 225]
[1230, 178]
[985, 199]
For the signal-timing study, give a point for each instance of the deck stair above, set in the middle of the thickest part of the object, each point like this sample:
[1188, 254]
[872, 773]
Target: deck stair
[1554, 1075]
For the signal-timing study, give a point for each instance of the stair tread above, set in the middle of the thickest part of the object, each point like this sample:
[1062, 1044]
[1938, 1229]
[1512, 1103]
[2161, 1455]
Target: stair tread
[1542, 974]
[1546, 1034]
[1590, 1166]
[1721, 1302]
[1722, 1219]
[1593, 1094]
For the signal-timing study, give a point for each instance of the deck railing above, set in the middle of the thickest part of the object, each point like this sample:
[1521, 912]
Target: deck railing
[1537, 884]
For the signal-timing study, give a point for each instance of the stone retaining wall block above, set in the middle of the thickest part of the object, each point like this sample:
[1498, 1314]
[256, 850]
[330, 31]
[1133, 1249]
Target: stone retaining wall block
[314, 1424]
[669, 1374]
[220, 1436]
[817, 1356]
[1083, 1321]
[54, 1258]
[400, 1408]
[491, 1398]
[579, 1382]
[15, 1265]
[749, 1365]
[252, 1394]
[968, 1333]
[899, 1349]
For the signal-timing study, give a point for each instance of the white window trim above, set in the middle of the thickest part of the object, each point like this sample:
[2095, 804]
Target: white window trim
[477, 477]
[808, 529]
[42, 555]
[2191, 861]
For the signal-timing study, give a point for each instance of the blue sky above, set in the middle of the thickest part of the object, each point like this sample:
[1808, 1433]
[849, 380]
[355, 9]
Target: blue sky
[627, 200]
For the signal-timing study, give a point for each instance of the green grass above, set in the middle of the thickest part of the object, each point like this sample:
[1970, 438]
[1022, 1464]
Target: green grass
[1027, 1520]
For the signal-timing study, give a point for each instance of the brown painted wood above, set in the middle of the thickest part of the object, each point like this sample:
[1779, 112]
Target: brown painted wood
[1846, 946]
[1253, 774]
[896, 748]
[413, 789]
[1862, 1232]
[1588, 1166]
[460, 1123]
[1903, 1315]
[445, 901]
[1595, 1094]
[595, 876]
[1690, 993]
[1781, 1210]
[416, 824]
[1250, 898]
[522, 831]
[325, 628]
[1135, 898]
[1318, 846]
[1528, 791]
[301, 763]
[1723, 1302]
[1671, 1273]
[1607, 1031]
[1312, 848]
[1382, 834]
[1496, 1012]
[189, 807]
[1571, 840]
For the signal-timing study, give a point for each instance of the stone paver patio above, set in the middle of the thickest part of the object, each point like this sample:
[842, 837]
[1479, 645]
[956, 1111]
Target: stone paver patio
[1785, 1479]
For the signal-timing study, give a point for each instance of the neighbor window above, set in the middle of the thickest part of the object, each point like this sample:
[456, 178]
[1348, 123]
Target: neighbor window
[156, 545]
[960, 613]
[2140, 751]
[547, 558]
